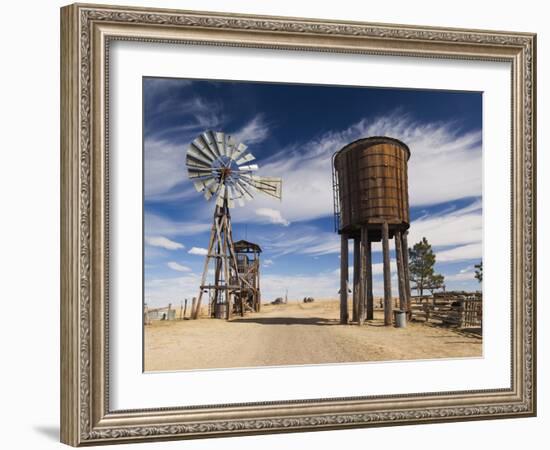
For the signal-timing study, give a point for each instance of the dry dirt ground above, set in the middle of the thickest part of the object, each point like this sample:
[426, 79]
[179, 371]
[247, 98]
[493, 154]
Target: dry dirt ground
[295, 333]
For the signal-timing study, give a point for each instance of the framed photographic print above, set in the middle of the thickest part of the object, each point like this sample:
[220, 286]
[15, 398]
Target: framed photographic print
[277, 224]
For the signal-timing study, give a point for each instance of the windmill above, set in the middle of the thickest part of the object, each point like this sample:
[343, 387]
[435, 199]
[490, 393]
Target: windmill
[220, 169]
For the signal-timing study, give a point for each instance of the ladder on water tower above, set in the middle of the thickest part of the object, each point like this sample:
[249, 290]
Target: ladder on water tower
[335, 196]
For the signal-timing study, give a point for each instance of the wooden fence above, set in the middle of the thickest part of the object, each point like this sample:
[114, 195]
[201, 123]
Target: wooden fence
[452, 309]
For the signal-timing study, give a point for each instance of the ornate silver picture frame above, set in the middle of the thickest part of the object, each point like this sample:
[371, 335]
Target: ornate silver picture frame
[87, 33]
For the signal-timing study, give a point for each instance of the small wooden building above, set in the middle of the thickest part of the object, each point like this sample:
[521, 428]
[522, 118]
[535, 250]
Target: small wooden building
[248, 266]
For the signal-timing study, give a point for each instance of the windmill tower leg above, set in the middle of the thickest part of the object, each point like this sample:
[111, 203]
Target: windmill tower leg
[197, 306]
[227, 292]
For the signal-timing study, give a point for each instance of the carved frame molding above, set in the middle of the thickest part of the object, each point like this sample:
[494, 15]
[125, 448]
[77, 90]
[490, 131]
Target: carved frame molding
[86, 32]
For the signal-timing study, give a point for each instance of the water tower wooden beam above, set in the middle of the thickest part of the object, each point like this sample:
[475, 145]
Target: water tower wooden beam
[344, 274]
[356, 278]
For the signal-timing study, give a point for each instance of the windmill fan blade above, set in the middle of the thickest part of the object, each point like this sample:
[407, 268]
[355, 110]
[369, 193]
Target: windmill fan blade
[249, 168]
[203, 184]
[197, 154]
[243, 190]
[193, 161]
[238, 151]
[230, 197]
[210, 182]
[220, 167]
[220, 142]
[201, 142]
[210, 140]
[196, 168]
[199, 186]
[198, 171]
[230, 146]
[268, 185]
[203, 150]
[246, 158]
[201, 175]
[211, 190]
[237, 194]
[221, 195]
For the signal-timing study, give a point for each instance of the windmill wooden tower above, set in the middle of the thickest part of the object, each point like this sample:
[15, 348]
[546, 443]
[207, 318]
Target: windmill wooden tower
[220, 168]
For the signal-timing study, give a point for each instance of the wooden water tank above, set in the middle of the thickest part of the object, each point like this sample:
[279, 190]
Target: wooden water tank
[372, 184]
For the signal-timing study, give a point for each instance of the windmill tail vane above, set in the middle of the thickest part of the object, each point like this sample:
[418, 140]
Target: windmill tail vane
[222, 169]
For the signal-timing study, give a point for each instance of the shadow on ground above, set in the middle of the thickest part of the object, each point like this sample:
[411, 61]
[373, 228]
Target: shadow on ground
[288, 321]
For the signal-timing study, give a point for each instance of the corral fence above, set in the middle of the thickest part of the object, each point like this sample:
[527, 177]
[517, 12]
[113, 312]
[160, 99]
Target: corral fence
[152, 314]
[451, 309]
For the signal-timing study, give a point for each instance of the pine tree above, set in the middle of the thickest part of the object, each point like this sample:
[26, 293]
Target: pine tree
[421, 268]
[479, 271]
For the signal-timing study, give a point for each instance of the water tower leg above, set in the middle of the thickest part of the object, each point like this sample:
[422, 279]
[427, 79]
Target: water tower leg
[356, 278]
[363, 275]
[400, 271]
[387, 275]
[344, 280]
[406, 269]
[368, 284]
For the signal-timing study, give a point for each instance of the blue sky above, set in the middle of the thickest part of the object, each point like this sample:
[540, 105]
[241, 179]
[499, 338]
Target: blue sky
[293, 130]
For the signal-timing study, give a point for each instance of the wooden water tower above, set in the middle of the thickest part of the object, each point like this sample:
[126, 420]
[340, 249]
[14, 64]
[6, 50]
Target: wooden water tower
[371, 203]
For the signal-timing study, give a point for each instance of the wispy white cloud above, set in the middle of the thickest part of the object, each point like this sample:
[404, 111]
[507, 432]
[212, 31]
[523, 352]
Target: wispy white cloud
[155, 87]
[198, 251]
[164, 158]
[157, 225]
[440, 156]
[273, 216]
[456, 235]
[178, 267]
[302, 239]
[461, 276]
[164, 166]
[192, 115]
[464, 252]
[267, 263]
[461, 228]
[455, 227]
[253, 132]
[160, 292]
[163, 242]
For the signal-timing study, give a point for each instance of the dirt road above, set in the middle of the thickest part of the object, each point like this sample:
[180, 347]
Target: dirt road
[295, 334]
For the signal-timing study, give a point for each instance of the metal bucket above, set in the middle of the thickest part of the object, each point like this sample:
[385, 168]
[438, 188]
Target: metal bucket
[400, 318]
[220, 310]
